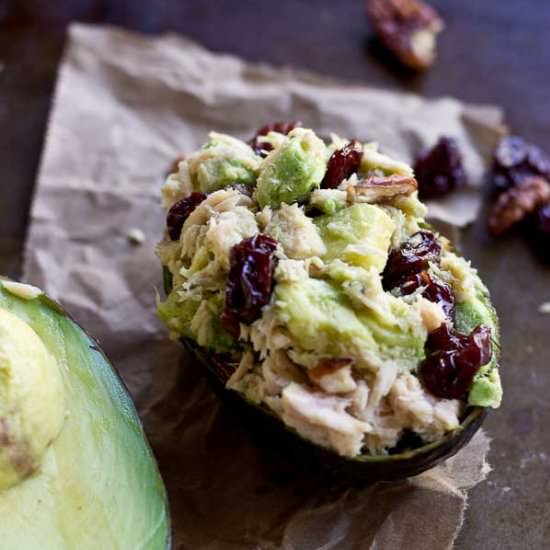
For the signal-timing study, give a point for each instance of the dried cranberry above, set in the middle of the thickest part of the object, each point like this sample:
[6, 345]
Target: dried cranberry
[439, 170]
[453, 360]
[515, 160]
[180, 212]
[413, 257]
[433, 289]
[342, 164]
[262, 148]
[250, 281]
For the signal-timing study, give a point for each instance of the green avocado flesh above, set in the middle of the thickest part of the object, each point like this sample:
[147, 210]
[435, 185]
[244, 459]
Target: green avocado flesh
[98, 486]
[359, 235]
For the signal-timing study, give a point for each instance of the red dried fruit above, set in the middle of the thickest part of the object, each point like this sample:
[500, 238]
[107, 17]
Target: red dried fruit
[515, 160]
[433, 289]
[250, 281]
[261, 147]
[453, 360]
[180, 212]
[413, 257]
[342, 164]
[407, 28]
[439, 170]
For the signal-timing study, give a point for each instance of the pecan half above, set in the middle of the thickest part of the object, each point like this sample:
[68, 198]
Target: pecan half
[407, 28]
[516, 203]
[381, 188]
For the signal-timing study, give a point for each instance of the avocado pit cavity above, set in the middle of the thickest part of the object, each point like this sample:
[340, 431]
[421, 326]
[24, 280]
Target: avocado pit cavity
[32, 404]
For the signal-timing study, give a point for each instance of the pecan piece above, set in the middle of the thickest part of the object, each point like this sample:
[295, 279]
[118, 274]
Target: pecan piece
[407, 28]
[381, 188]
[516, 203]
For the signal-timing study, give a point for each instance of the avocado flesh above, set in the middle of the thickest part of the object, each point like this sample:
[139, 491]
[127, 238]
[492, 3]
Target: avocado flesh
[360, 235]
[98, 485]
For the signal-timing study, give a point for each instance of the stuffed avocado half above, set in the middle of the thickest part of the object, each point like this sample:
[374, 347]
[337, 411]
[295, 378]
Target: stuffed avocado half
[76, 471]
[305, 273]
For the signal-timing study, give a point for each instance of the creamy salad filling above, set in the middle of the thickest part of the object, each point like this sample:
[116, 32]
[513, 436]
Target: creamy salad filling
[309, 271]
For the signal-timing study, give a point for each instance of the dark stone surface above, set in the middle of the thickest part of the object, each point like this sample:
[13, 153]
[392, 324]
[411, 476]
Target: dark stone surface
[492, 51]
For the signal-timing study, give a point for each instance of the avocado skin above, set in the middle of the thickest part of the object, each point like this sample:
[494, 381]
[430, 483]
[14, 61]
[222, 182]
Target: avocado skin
[363, 470]
[120, 433]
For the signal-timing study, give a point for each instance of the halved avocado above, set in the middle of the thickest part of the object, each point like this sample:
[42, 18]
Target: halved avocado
[96, 484]
[362, 469]
[402, 462]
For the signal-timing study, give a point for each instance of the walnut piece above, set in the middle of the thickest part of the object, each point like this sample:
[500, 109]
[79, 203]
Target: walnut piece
[516, 203]
[407, 28]
[381, 188]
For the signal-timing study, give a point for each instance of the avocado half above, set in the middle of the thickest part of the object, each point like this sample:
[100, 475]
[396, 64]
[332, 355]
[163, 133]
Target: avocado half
[361, 469]
[97, 485]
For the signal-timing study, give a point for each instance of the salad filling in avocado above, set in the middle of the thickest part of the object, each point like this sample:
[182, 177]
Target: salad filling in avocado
[309, 270]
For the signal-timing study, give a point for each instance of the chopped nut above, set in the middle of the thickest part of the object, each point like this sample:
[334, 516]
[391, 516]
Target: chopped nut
[407, 28]
[381, 189]
[545, 308]
[516, 203]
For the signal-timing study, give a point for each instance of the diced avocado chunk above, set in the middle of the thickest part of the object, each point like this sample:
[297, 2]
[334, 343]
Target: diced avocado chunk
[486, 390]
[318, 316]
[360, 235]
[198, 319]
[177, 315]
[321, 318]
[97, 485]
[474, 312]
[291, 170]
[222, 161]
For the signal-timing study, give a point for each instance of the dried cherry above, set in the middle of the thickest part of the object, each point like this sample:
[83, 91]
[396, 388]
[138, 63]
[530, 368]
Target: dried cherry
[433, 289]
[439, 170]
[180, 212]
[250, 281]
[262, 148]
[453, 360]
[413, 257]
[342, 164]
[516, 160]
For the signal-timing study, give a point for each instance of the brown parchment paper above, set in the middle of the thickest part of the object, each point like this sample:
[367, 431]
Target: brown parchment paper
[124, 106]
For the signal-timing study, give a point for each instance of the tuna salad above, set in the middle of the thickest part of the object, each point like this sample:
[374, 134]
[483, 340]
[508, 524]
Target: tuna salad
[305, 268]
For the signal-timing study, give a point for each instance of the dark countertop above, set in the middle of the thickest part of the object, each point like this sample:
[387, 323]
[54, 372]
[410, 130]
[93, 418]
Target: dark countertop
[492, 51]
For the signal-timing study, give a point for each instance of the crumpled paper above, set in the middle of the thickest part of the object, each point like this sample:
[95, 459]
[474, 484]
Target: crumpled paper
[125, 106]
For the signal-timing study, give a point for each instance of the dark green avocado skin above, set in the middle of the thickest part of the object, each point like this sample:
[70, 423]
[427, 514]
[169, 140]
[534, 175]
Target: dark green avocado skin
[361, 470]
